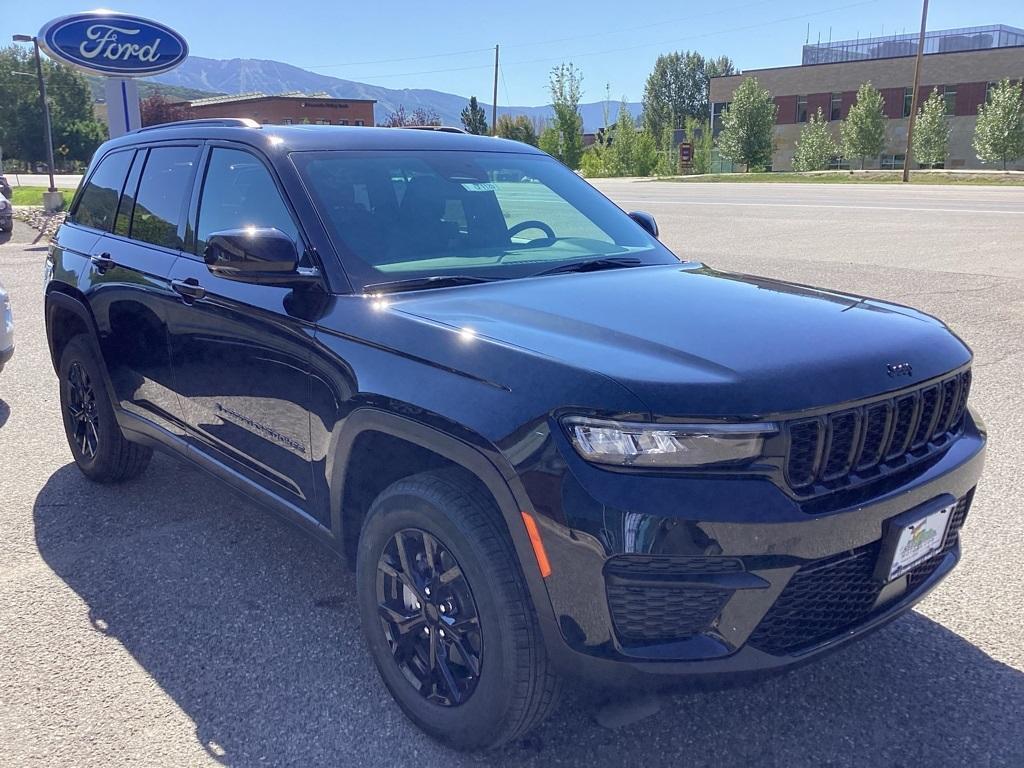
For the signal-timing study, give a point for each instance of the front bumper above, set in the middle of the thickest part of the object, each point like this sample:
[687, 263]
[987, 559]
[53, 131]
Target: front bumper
[655, 576]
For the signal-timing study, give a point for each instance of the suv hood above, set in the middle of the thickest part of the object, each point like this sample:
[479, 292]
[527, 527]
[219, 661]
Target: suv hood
[688, 340]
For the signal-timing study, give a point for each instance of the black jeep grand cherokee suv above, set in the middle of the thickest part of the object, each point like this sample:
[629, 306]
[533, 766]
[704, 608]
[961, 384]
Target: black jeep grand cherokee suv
[547, 444]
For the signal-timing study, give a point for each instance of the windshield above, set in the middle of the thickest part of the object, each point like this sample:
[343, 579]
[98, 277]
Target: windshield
[397, 215]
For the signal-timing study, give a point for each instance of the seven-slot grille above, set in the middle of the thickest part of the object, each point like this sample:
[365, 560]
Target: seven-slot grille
[845, 446]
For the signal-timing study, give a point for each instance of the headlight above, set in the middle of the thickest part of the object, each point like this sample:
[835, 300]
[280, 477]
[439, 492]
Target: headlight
[4, 204]
[665, 445]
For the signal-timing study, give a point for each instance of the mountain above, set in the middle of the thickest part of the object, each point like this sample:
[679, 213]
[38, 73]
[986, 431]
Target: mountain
[147, 87]
[246, 75]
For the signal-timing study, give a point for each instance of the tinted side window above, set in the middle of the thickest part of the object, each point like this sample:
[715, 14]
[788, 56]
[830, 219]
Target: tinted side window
[98, 203]
[123, 222]
[240, 192]
[162, 196]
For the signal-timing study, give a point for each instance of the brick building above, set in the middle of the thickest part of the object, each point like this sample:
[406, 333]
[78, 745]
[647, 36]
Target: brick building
[961, 63]
[287, 108]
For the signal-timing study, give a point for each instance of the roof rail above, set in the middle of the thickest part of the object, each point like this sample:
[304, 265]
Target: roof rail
[226, 122]
[438, 128]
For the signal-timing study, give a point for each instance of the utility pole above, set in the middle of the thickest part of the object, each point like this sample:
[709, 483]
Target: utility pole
[913, 96]
[44, 102]
[494, 101]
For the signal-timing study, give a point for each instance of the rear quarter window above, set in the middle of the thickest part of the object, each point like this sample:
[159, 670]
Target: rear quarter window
[97, 205]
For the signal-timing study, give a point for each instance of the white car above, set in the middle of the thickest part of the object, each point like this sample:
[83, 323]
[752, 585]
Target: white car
[6, 329]
[6, 215]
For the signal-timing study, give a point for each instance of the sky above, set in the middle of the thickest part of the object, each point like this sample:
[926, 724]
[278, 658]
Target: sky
[449, 45]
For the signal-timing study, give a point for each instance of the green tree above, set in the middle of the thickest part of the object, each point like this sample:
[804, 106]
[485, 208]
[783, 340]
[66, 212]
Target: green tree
[862, 133]
[474, 119]
[748, 125]
[815, 147]
[518, 128]
[677, 88]
[999, 133]
[566, 84]
[931, 131]
[21, 118]
[550, 141]
[698, 134]
[401, 118]
[81, 137]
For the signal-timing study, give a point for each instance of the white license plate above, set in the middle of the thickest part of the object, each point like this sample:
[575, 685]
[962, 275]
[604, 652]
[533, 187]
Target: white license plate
[919, 540]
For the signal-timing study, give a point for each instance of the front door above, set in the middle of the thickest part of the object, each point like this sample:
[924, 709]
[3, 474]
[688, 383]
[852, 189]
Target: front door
[241, 351]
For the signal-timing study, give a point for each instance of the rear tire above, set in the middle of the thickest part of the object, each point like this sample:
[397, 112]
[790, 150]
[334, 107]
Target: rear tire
[94, 436]
[514, 687]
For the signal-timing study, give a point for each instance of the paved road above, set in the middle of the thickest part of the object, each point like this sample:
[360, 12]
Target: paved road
[60, 180]
[170, 623]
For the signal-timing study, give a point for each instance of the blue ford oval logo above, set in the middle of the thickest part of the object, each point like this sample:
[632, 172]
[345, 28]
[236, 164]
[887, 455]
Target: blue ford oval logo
[114, 44]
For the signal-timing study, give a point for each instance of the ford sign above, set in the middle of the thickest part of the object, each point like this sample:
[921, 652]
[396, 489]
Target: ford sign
[113, 44]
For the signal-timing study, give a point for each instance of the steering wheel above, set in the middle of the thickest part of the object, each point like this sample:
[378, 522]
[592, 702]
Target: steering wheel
[522, 226]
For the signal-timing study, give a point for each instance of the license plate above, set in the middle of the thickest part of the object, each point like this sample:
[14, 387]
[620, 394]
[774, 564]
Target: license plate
[919, 540]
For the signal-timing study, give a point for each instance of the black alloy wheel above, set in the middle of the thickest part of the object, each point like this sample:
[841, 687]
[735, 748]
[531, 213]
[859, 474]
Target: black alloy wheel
[429, 617]
[81, 407]
[98, 445]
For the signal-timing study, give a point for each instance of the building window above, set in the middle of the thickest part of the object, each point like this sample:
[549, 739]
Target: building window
[892, 162]
[908, 101]
[287, 121]
[949, 94]
[801, 109]
[360, 122]
[321, 122]
[836, 111]
[343, 122]
[838, 163]
[717, 110]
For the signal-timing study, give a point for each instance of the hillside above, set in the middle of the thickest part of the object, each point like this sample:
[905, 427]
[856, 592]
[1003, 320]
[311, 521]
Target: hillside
[209, 76]
[146, 87]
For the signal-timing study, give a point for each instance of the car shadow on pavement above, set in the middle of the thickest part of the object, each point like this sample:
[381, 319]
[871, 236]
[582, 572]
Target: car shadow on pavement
[252, 629]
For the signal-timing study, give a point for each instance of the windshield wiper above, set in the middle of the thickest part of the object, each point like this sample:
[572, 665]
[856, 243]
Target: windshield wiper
[592, 265]
[416, 283]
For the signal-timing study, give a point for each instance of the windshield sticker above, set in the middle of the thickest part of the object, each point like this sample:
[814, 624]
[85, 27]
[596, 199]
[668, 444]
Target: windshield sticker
[479, 186]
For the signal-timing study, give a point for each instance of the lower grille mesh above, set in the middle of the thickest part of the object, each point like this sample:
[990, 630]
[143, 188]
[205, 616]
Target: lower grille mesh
[649, 604]
[825, 598]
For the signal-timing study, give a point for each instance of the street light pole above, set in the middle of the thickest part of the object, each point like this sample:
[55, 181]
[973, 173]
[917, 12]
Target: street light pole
[46, 104]
[908, 156]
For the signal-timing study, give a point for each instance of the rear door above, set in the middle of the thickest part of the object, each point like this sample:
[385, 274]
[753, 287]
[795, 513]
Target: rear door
[241, 351]
[128, 272]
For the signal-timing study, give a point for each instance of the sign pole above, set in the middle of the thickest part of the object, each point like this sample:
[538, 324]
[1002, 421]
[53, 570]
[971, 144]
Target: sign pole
[494, 104]
[123, 113]
[908, 157]
[46, 113]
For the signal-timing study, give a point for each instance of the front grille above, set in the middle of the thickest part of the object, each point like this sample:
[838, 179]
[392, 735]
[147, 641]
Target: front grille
[856, 445]
[647, 606]
[832, 595]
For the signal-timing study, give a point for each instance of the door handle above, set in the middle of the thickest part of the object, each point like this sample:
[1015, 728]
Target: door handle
[102, 261]
[188, 289]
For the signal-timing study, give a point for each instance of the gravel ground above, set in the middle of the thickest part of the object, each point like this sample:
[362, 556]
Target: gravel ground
[168, 622]
[38, 219]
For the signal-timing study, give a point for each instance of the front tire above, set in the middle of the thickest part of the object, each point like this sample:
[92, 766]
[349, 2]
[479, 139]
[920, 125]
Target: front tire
[94, 436]
[447, 616]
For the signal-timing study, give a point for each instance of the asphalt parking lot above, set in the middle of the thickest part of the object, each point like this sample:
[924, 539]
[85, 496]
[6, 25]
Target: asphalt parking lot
[169, 622]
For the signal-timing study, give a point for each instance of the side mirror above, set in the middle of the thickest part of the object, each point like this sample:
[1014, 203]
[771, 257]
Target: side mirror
[646, 221]
[262, 255]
